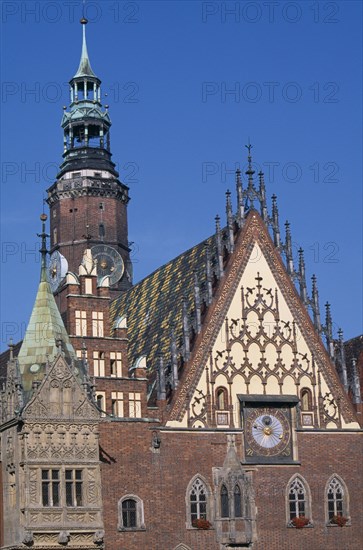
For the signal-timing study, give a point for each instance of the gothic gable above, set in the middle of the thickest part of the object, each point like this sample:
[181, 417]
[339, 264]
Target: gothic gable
[258, 339]
[60, 396]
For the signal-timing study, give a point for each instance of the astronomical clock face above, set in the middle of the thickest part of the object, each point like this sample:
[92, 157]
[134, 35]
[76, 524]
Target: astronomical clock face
[267, 432]
[109, 262]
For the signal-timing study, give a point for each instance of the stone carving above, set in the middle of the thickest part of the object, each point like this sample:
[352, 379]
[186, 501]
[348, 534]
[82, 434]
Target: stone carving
[28, 539]
[98, 536]
[63, 537]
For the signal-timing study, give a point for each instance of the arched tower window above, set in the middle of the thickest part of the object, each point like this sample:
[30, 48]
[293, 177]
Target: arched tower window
[224, 502]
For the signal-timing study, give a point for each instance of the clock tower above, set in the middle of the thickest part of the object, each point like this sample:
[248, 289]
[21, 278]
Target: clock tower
[88, 202]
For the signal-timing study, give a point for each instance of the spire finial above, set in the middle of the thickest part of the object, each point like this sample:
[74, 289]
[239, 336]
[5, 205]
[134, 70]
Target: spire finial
[229, 220]
[315, 305]
[275, 221]
[84, 68]
[288, 250]
[240, 205]
[302, 279]
[43, 249]
[250, 170]
[329, 330]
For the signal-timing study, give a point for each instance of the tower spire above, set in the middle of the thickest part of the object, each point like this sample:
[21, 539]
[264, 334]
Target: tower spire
[84, 68]
[44, 330]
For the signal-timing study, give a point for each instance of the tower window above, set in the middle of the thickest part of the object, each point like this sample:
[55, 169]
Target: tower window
[55, 236]
[102, 204]
[97, 324]
[81, 323]
[101, 401]
[134, 405]
[117, 404]
[98, 363]
[101, 230]
[116, 364]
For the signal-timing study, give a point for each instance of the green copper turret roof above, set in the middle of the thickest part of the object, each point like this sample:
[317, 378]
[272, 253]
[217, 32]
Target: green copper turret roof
[44, 330]
[84, 68]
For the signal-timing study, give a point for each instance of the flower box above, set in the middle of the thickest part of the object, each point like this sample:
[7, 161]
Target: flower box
[339, 520]
[299, 522]
[201, 523]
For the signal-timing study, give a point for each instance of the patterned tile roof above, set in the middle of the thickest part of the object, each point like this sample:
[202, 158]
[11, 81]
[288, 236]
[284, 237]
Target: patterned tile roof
[155, 305]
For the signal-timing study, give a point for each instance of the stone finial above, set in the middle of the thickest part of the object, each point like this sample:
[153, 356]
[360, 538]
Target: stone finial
[197, 305]
[288, 250]
[302, 277]
[161, 392]
[329, 330]
[186, 331]
[229, 221]
[219, 247]
[240, 205]
[315, 305]
[275, 222]
[262, 192]
[343, 365]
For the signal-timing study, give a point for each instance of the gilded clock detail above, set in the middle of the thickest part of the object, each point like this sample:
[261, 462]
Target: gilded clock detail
[267, 432]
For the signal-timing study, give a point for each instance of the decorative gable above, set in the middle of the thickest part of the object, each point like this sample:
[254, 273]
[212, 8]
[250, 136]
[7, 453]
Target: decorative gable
[259, 340]
[60, 396]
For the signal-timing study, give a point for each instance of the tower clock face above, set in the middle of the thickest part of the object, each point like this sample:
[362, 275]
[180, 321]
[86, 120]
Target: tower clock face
[109, 262]
[267, 433]
[57, 270]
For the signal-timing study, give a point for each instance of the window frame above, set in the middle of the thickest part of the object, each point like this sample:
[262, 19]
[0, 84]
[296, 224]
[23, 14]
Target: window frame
[53, 487]
[209, 500]
[307, 500]
[345, 501]
[140, 520]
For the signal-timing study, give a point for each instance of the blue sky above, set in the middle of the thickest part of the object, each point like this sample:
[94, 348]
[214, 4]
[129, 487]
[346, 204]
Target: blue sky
[188, 83]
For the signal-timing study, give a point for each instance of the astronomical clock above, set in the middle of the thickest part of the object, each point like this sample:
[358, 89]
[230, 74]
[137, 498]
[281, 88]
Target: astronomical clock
[267, 427]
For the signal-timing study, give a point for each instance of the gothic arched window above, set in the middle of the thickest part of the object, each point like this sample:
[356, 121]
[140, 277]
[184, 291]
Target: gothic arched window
[237, 501]
[306, 401]
[298, 499]
[337, 501]
[221, 399]
[224, 502]
[198, 500]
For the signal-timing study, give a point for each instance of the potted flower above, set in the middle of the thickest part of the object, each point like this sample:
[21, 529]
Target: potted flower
[299, 522]
[339, 520]
[201, 523]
